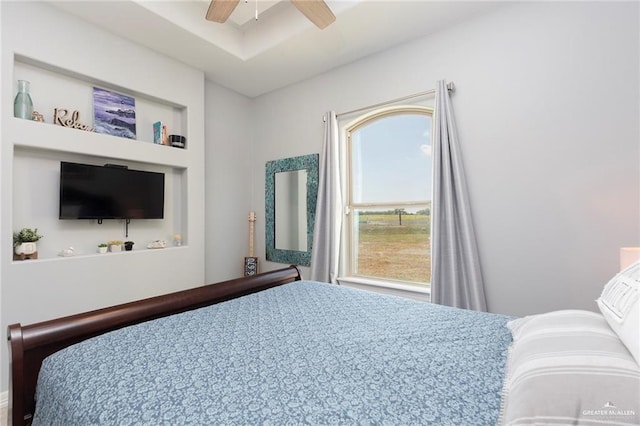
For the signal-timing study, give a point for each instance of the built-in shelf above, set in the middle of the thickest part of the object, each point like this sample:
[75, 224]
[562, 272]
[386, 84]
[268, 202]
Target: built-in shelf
[39, 147]
[35, 135]
[54, 87]
[98, 255]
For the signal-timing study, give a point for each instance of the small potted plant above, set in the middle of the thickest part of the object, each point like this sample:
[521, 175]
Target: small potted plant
[115, 246]
[24, 243]
[102, 248]
[128, 245]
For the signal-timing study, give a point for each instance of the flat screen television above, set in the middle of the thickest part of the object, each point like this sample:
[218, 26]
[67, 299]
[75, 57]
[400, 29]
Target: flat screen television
[110, 192]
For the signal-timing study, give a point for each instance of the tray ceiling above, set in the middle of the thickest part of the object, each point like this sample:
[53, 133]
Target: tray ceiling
[280, 48]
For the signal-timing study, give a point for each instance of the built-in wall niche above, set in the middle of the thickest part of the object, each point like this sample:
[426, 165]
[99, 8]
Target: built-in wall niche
[53, 87]
[35, 204]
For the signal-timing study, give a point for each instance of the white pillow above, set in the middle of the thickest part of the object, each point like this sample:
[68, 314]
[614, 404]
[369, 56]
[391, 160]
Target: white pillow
[569, 368]
[620, 305]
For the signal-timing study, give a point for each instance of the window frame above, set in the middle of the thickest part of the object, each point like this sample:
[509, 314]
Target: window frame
[349, 258]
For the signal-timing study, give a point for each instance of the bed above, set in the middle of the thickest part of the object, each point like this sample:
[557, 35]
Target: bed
[275, 349]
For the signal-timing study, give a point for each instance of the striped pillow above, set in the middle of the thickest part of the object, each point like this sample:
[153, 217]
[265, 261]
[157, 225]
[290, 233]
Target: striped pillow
[569, 368]
[620, 305]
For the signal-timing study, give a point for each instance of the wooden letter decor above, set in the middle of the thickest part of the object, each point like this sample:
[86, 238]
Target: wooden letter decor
[62, 117]
[251, 262]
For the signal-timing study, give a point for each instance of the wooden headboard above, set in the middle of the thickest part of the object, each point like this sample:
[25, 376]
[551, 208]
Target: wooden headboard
[29, 345]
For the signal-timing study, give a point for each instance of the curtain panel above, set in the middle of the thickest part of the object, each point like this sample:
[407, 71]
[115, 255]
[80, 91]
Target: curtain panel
[456, 277]
[325, 254]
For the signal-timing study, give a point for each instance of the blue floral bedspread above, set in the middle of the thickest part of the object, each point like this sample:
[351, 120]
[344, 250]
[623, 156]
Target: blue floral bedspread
[302, 353]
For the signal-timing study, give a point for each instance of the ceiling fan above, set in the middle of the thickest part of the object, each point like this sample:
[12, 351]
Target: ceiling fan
[316, 11]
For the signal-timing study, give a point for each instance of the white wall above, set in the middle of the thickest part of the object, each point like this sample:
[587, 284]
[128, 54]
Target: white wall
[228, 129]
[547, 112]
[3, 354]
[51, 286]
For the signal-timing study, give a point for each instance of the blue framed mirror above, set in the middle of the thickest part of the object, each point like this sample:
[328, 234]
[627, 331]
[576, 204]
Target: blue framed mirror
[291, 192]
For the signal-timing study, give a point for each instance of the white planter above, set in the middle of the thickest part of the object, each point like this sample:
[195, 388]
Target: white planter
[115, 248]
[102, 250]
[26, 248]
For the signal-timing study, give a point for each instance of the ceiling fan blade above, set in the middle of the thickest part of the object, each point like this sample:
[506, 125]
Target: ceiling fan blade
[220, 10]
[316, 11]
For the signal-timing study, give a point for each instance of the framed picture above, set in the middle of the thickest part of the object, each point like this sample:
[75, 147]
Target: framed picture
[114, 114]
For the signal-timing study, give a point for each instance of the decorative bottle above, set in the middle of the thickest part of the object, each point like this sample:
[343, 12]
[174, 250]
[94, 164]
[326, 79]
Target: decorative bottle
[23, 106]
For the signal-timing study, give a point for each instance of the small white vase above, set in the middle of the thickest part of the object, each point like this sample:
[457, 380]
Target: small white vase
[26, 248]
[115, 248]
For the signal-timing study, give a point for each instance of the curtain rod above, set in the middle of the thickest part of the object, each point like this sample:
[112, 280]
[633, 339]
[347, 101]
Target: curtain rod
[450, 86]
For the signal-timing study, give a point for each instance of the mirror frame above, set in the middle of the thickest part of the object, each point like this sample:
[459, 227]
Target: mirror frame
[304, 162]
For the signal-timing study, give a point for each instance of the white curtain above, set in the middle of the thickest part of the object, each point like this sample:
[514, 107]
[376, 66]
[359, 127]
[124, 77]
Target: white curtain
[325, 254]
[456, 277]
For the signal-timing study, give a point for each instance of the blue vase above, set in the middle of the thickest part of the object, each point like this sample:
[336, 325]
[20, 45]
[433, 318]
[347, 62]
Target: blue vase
[22, 105]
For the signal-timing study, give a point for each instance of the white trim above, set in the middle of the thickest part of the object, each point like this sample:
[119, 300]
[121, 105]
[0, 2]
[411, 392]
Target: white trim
[398, 288]
[348, 260]
[4, 406]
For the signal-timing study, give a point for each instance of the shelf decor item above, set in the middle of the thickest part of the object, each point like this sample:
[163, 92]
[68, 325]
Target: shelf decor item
[37, 116]
[114, 114]
[128, 245]
[62, 117]
[68, 252]
[23, 105]
[158, 131]
[177, 141]
[24, 244]
[102, 248]
[115, 246]
[157, 244]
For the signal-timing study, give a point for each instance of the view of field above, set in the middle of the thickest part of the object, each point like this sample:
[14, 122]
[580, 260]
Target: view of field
[388, 249]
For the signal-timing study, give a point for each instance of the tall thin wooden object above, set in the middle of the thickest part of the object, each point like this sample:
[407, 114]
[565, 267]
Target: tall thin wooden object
[251, 262]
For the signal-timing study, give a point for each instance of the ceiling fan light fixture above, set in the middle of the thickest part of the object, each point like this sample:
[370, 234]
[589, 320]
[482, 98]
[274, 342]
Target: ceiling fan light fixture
[316, 11]
[220, 10]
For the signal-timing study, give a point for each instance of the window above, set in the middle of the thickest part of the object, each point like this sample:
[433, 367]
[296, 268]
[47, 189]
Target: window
[389, 196]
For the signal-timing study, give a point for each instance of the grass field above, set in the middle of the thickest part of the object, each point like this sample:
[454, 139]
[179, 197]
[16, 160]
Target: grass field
[387, 249]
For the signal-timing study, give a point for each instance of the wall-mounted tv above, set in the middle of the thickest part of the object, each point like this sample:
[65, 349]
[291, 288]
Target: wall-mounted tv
[110, 192]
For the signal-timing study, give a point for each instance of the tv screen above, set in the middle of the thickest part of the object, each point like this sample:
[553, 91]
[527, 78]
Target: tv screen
[105, 192]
